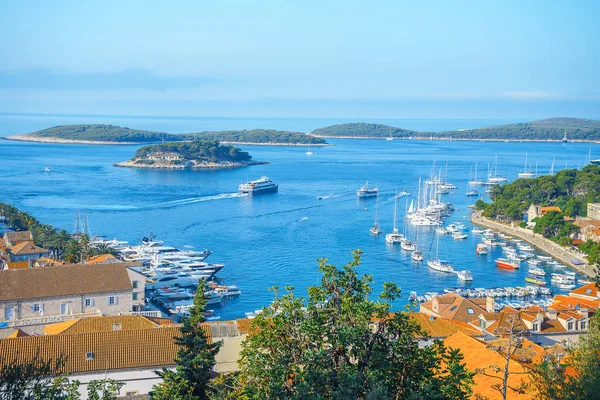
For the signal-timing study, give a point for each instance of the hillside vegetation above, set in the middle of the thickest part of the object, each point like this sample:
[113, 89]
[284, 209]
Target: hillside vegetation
[197, 150]
[361, 129]
[113, 133]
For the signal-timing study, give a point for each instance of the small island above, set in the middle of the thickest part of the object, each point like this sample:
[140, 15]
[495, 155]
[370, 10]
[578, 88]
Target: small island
[112, 134]
[361, 130]
[195, 154]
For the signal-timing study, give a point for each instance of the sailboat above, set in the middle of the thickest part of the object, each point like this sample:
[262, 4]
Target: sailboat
[526, 174]
[416, 254]
[405, 244]
[437, 264]
[308, 152]
[376, 229]
[470, 190]
[475, 182]
[395, 236]
[495, 178]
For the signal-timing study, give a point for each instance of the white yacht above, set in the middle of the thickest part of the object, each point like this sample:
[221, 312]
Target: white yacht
[465, 275]
[395, 237]
[475, 181]
[365, 191]
[417, 255]
[440, 265]
[526, 174]
[262, 185]
[376, 229]
[406, 245]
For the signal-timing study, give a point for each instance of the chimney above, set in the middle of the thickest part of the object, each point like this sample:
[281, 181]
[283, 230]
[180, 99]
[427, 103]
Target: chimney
[584, 312]
[489, 304]
[552, 314]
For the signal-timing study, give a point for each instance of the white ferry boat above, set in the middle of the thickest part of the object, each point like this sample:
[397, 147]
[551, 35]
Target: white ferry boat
[262, 185]
[365, 191]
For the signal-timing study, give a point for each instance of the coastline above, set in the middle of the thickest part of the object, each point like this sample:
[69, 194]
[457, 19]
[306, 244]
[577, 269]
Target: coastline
[447, 139]
[547, 246]
[27, 138]
[189, 165]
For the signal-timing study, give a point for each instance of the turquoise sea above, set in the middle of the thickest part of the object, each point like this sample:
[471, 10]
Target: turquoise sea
[272, 239]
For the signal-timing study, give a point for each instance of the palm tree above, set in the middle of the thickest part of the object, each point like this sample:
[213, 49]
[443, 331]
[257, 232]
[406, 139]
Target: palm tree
[61, 241]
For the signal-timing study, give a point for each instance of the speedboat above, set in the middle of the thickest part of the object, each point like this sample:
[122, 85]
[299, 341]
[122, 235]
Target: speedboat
[503, 263]
[472, 193]
[402, 194]
[535, 281]
[464, 275]
[477, 231]
[534, 262]
[262, 185]
[544, 258]
[459, 235]
[441, 231]
[537, 272]
[481, 249]
[365, 191]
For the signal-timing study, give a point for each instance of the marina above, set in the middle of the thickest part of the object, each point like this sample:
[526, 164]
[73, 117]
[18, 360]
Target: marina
[275, 240]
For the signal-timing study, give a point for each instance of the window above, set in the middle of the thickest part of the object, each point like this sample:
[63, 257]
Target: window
[64, 308]
[36, 307]
[9, 313]
[113, 300]
[134, 296]
[90, 356]
[134, 284]
[131, 393]
[470, 311]
[88, 302]
[482, 323]
[535, 327]
[583, 325]
[570, 326]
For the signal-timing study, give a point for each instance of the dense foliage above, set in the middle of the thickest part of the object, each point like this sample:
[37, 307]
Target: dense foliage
[339, 344]
[546, 129]
[199, 150]
[570, 190]
[60, 243]
[194, 362]
[112, 133]
[361, 129]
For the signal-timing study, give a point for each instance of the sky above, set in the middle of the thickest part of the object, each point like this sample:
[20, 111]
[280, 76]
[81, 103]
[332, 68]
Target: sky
[302, 59]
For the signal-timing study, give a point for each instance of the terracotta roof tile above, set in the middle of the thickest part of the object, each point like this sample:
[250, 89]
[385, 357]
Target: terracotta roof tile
[103, 324]
[478, 355]
[17, 333]
[12, 238]
[65, 280]
[101, 258]
[528, 352]
[25, 248]
[589, 290]
[441, 327]
[143, 348]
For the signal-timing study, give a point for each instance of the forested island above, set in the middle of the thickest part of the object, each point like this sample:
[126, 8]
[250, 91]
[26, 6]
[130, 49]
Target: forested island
[553, 129]
[112, 134]
[208, 154]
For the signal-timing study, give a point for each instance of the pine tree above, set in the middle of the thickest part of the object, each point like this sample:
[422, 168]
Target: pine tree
[194, 362]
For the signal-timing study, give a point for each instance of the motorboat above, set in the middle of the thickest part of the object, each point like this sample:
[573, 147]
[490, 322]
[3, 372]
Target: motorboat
[464, 275]
[544, 258]
[459, 235]
[534, 262]
[535, 281]
[477, 231]
[441, 231]
[504, 263]
[472, 193]
[481, 249]
[262, 185]
[537, 272]
[490, 241]
[365, 191]
[402, 194]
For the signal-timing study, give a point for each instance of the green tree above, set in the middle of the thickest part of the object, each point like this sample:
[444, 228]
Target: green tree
[338, 344]
[104, 389]
[194, 362]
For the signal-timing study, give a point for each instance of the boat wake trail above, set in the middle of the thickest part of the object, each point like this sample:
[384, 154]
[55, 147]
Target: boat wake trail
[303, 219]
[193, 200]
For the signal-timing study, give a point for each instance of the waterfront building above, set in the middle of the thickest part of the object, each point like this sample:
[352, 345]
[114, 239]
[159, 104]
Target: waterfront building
[31, 298]
[593, 210]
[534, 211]
[587, 292]
[589, 229]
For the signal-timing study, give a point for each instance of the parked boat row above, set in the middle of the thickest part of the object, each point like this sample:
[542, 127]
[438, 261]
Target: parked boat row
[534, 294]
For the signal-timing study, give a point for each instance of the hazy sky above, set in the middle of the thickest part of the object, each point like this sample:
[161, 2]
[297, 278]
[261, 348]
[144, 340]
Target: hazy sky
[378, 59]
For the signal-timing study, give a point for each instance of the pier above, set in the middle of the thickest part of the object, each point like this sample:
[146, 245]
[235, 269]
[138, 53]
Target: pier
[557, 251]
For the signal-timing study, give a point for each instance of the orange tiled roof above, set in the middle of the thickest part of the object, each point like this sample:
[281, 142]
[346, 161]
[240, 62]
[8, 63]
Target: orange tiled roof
[572, 303]
[454, 307]
[528, 352]
[478, 355]
[125, 349]
[101, 258]
[589, 290]
[441, 327]
[552, 208]
[25, 248]
[243, 325]
[18, 264]
[103, 324]
[17, 333]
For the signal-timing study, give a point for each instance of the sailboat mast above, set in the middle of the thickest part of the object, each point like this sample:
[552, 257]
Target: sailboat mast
[395, 208]
[376, 208]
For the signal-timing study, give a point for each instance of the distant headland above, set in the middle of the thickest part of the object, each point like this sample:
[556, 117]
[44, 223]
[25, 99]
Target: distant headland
[111, 134]
[552, 129]
[194, 154]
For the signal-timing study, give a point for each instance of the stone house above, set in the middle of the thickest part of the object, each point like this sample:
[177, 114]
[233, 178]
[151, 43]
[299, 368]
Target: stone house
[534, 211]
[33, 297]
[14, 238]
[26, 251]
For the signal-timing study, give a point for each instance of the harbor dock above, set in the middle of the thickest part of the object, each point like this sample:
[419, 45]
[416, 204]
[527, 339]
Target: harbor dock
[564, 255]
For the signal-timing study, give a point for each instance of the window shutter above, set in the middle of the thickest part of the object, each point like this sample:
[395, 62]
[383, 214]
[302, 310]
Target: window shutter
[116, 299]
[92, 302]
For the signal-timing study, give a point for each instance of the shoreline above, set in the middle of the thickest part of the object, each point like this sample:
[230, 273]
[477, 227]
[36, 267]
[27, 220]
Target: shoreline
[547, 246]
[189, 165]
[35, 139]
[447, 139]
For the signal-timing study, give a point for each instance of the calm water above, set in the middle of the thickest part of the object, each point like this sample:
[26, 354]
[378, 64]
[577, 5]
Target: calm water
[272, 239]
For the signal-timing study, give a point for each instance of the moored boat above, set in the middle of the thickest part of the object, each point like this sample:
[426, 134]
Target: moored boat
[465, 275]
[503, 263]
[535, 281]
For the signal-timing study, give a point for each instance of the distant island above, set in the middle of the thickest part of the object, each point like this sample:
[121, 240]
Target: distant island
[195, 154]
[112, 134]
[553, 129]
